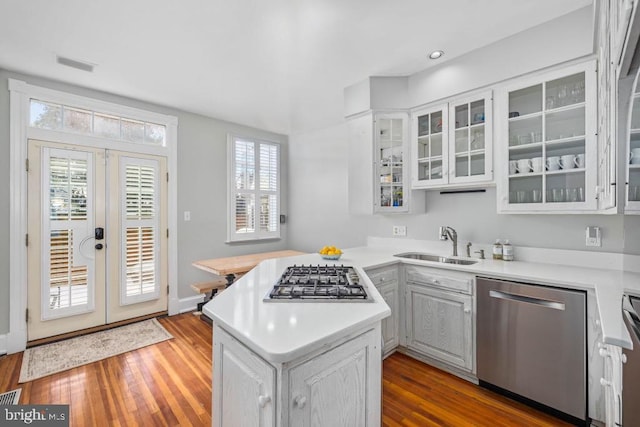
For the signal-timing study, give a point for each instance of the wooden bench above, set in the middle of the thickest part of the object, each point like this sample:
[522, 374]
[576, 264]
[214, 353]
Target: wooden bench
[210, 288]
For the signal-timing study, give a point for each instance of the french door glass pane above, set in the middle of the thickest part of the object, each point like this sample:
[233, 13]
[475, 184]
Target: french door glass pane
[67, 188]
[67, 282]
[140, 192]
[141, 262]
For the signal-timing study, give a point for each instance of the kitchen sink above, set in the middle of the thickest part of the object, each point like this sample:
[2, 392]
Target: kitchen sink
[435, 258]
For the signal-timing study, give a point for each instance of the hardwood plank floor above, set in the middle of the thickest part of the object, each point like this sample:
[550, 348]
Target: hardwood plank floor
[169, 384]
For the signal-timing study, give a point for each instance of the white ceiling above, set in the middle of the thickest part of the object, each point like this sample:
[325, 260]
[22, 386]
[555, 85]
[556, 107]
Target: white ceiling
[279, 65]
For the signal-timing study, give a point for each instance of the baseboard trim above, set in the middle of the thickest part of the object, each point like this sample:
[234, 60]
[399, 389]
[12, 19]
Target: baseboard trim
[189, 303]
[3, 345]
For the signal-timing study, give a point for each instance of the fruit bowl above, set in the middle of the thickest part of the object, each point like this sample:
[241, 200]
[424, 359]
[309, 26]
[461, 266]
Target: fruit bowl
[330, 253]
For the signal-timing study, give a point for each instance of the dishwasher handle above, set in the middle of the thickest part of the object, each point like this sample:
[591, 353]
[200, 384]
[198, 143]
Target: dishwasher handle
[524, 298]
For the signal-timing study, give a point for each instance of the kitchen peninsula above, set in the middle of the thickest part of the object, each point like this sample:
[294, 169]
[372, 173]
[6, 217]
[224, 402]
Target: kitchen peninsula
[286, 363]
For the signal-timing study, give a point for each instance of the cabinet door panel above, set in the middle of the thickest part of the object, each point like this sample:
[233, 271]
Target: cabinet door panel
[390, 325]
[332, 389]
[440, 325]
[246, 385]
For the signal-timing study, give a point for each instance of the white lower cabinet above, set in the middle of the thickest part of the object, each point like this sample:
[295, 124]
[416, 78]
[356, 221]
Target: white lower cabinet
[439, 316]
[333, 389]
[244, 388]
[338, 384]
[612, 383]
[386, 281]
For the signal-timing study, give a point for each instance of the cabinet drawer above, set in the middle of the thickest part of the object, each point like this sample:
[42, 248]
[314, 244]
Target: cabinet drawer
[380, 276]
[452, 280]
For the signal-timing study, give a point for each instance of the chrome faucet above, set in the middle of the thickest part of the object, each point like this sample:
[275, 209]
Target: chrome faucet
[447, 233]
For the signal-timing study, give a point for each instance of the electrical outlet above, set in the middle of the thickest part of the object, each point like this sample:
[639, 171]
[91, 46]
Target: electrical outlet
[187, 215]
[399, 230]
[593, 236]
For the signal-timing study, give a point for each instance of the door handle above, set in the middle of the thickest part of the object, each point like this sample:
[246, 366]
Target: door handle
[524, 298]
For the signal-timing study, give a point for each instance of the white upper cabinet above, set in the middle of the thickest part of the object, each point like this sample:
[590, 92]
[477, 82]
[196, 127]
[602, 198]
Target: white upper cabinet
[632, 204]
[547, 139]
[452, 143]
[391, 144]
[430, 147]
[471, 136]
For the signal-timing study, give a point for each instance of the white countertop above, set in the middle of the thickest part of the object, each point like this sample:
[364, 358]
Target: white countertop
[283, 331]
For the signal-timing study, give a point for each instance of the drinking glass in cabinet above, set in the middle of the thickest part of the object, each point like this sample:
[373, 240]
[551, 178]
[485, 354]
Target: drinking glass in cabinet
[525, 190]
[634, 193]
[565, 91]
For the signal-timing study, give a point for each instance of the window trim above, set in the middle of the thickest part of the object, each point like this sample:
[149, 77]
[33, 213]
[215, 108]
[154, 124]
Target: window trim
[232, 236]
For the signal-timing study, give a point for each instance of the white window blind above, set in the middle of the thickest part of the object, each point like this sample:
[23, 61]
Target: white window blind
[254, 189]
[140, 240]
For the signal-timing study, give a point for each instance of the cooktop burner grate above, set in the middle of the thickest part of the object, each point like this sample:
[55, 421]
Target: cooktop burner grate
[318, 283]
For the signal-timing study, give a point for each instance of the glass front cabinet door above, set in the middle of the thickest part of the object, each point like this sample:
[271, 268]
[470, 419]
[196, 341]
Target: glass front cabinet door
[549, 142]
[431, 146]
[391, 150]
[633, 158]
[470, 127]
[452, 143]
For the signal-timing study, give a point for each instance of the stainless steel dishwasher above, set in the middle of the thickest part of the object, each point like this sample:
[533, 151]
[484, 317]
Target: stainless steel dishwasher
[531, 342]
[631, 369]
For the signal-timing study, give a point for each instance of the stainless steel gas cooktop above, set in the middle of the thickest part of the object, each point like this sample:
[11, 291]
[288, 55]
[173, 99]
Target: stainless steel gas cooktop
[318, 283]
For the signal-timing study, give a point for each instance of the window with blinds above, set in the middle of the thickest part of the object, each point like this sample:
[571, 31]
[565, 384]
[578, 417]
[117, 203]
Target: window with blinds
[254, 189]
[140, 231]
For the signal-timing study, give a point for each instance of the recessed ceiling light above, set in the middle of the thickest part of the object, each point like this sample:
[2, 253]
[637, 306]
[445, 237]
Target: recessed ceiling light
[436, 54]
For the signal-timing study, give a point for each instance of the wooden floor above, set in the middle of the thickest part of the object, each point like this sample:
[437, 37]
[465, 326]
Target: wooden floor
[169, 384]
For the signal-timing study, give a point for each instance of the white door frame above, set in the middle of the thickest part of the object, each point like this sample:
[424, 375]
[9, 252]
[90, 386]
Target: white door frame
[19, 133]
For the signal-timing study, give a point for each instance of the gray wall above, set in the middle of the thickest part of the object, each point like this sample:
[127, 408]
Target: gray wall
[202, 188]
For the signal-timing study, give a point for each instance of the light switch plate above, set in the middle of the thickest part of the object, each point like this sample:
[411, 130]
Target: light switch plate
[399, 230]
[593, 236]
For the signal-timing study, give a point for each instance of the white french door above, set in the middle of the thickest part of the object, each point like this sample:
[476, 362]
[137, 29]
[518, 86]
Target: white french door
[96, 251]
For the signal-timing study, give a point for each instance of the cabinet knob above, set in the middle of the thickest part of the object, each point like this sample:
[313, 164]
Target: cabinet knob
[597, 322]
[467, 310]
[604, 382]
[300, 401]
[623, 358]
[603, 352]
[263, 400]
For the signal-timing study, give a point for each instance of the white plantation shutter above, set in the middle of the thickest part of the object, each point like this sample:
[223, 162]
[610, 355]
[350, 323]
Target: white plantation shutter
[254, 207]
[140, 191]
[67, 285]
